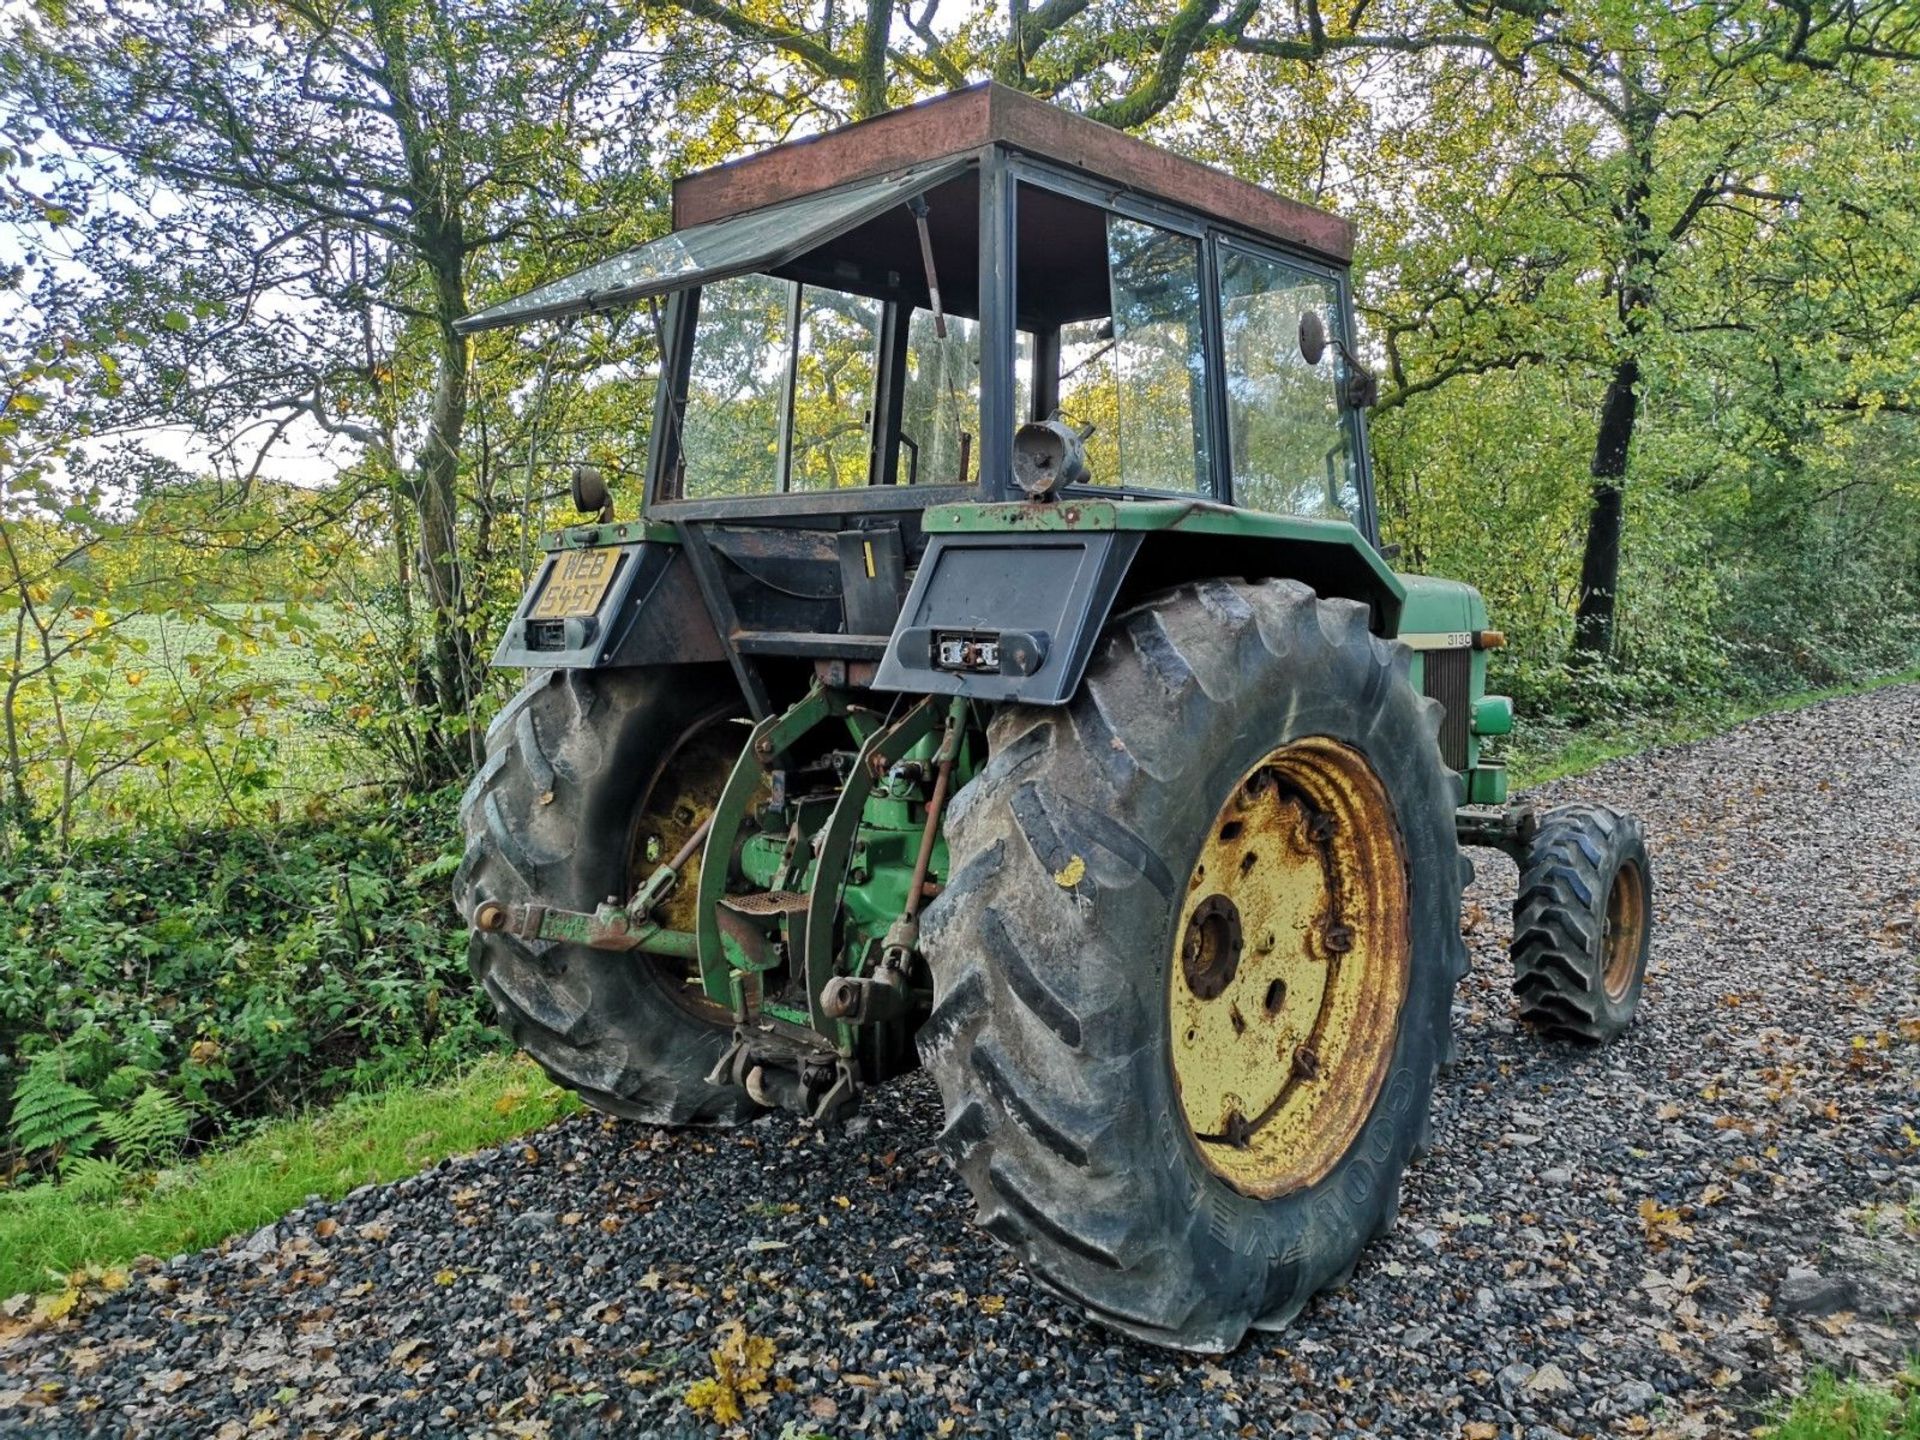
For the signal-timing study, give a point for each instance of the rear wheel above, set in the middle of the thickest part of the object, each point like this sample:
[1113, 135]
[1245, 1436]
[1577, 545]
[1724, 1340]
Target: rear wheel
[1193, 971]
[591, 778]
[1583, 923]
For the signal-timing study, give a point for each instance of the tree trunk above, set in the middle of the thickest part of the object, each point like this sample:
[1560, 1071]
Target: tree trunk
[1600, 563]
[872, 97]
[456, 677]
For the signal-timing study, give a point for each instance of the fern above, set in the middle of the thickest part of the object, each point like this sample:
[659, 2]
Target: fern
[52, 1115]
[149, 1131]
[93, 1177]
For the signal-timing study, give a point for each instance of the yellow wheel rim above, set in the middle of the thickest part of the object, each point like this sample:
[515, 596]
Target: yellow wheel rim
[682, 794]
[1625, 931]
[1289, 968]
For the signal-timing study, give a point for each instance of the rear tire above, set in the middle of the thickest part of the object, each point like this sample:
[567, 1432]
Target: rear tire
[1583, 924]
[1053, 957]
[570, 763]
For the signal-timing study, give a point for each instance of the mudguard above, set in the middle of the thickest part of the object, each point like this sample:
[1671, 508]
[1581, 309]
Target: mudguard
[1010, 599]
[999, 617]
[648, 610]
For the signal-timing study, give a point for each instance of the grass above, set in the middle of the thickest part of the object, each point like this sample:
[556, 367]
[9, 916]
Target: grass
[1564, 753]
[47, 1233]
[1830, 1409]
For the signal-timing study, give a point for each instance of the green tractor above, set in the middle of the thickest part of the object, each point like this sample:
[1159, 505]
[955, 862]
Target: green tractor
[1001, 675]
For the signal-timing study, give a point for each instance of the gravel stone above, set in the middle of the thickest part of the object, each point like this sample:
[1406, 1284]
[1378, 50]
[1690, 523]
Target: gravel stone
[1599, 1238]
[1808, 1292]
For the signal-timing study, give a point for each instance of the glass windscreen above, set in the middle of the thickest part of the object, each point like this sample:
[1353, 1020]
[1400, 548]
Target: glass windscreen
[834, 348]
[1133, 373]
[1291, 445]
[940, 400]
[779, 389]
[756, 240]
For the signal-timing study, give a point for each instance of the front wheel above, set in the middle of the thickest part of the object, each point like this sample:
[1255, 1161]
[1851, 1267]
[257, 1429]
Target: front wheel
[1194, 969]
[1583, 924]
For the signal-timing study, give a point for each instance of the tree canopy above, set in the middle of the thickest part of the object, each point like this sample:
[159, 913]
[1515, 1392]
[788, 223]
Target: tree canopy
[1637, 276]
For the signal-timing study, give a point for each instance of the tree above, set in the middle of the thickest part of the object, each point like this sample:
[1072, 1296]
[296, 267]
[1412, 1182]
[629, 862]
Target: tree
[301, 195]
[1589, 186]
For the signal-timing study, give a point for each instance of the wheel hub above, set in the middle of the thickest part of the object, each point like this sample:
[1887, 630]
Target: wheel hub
[1291, 968]
[1624, 931]
[1211, 952]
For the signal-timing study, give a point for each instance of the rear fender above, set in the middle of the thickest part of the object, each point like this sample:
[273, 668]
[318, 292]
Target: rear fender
[649, 611]
[1010, 599]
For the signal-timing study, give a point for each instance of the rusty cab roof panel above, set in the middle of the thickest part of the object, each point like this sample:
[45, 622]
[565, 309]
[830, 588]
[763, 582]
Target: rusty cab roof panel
[969, 120]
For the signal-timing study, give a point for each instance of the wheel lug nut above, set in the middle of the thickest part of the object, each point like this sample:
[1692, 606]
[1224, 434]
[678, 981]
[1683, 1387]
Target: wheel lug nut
[1306, 1064]
[1339, 939]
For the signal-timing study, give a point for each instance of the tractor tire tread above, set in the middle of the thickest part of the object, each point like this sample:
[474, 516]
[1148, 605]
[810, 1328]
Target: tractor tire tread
[1039, 1065]
[1559, 917]
[537, 825]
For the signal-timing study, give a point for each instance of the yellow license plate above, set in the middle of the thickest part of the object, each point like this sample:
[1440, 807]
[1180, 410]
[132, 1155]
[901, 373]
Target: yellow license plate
[577, 585]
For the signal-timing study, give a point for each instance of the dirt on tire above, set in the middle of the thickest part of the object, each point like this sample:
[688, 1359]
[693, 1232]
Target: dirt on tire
[1050, 946]
[570, 761]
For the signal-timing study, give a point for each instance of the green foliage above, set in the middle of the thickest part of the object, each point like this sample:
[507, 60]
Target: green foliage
[1834, 1409]
[149, 1131]
[224, 974]
[50, 1115]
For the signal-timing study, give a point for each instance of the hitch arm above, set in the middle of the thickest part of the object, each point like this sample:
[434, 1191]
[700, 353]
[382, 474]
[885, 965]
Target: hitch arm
[609, 927]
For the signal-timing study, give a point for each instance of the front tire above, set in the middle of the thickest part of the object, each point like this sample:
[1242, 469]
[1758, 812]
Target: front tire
[1073, 926]
[574, 763]
[1583, 924]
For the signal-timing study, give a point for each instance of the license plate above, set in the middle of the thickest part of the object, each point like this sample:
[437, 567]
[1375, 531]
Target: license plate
[577, 585]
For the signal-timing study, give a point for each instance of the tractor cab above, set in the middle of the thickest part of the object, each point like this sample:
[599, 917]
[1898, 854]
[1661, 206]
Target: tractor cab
[874, 339]
[890, 304]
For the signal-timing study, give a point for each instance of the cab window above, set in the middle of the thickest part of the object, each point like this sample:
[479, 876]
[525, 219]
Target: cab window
[1291, 445]
[779, 389]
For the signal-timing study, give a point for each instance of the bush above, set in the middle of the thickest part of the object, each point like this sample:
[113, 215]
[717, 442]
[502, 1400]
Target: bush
[159, 988]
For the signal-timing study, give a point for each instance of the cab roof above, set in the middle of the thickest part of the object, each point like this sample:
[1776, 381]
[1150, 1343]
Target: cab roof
[992, 114]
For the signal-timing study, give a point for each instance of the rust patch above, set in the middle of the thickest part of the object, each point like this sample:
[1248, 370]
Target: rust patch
[1291, 968]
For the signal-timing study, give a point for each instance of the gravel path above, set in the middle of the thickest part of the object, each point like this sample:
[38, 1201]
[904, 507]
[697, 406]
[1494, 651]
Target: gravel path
[1638, 1241]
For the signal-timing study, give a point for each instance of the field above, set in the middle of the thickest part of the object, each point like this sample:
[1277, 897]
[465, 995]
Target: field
[248, 697]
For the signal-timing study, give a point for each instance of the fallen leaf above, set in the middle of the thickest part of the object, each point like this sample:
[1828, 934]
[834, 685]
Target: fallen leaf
[740, 1365]
[1549, 1379]
[1071, 873]
[1662, 1225]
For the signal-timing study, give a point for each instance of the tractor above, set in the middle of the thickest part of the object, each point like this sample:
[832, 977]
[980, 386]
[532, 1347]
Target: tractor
[1001, 674]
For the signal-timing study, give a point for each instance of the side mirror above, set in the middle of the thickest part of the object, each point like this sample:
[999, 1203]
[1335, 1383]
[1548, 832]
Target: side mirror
[1362, 387]
[1313, 336]
[590, 493]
